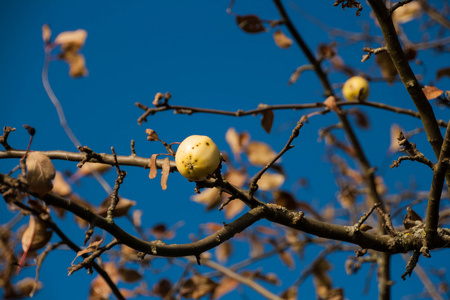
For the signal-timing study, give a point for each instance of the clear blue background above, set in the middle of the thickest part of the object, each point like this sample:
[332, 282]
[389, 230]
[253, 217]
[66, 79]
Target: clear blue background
[196, 52]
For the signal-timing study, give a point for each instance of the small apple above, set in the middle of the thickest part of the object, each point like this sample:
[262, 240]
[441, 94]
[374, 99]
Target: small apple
[356, 89]
[197, 157]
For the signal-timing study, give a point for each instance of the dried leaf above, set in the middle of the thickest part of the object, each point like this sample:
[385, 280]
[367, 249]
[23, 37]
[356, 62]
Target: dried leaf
[46, 33]
[40, 173]
[270, 181]
[88, 168]
[76, 62]
[129, 275]
[260, 154]
[233, 208]
[256, 245]
[322, 280]
[225, 286]
[91, 248]
[388, 70]
[250, 24]
[25, 287]
[432, 92]
[362, 120]
[365, 227]
[137, 217]
[160, 232]
[152, 166]
[442, 72]
[290, 294]
[236, 177]
[281, 40]
[331, 103]
[287, 259]
[60, 185]
[99, 288]
[237, 141]
[267, 120]
[209, 197]
[158, 98]
[36, 236]
[122, 208]
[197, 287]
[406, 13]
[411, 219]
[295, 75]
[327, 51]
[162, 287]
[347, 198]
[395, 131]
[71, 40]
[165, 173]
[152, 136]
[223, 252]
[285, 199]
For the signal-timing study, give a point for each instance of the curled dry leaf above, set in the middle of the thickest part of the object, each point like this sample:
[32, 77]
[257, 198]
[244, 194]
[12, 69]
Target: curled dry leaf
[236, 177]
[162, 287]
[388, 70]
[290, 294]
[233, 208]
[237, 141]
[406, 13]
[160, 232]
[152, 136]
[223, 252]
[91, 248]
[165, 173]
[267, 120]
[287, 259]
[395, 131]
[209, 197]
[197, 287]
[60, 185]
[331, 103]
[270, 181]
[442, 72]
[281, 40]
[260, 154]
[362, 120]
[71, 40]
[322, 280]
[411, 219]
[76, 62]
[88, 168]
[122, 208]
[129, 275]
[152, 166]
[99, 288]
[36, 236]
[25, 287]
[225, 286]
[46, 33]
[137, 217]
[285, 199]
[432, 92]
[40, 173]
[250, 24]
[158, 98]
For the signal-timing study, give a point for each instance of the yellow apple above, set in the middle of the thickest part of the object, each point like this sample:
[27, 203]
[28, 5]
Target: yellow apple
[356, 89]
[197, 157]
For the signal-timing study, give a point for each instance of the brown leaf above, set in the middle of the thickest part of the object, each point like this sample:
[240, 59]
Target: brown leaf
[432, 92]
[365, 227]
[406, 13]
[99, 288]
[322, 280]
[152, 166]
[91, 248]
[256, 245]
[160, 232]
[197, 287]
[225, 286]
[25, 287]
[442, 72]
[209, 197]
[411, 219]
[285, 199]
[236, 177]
[158, 98]
[270, 181]
[60, 185]
[162, 287]
[122, 208]
[46, 33]
[287, 259]
[290, 294]
[76, 62]
[295, 75]
[165, 173]
[137, 217]
[362, 120]
[129, 275]
[331, 103]
[233, 208]
[152, 136]
[71, 40]
[388, 70]
[267, 120]
[395, 131]
[260, 154]
[281, 40]
[250, 24]
[88, 168]
[237, 141]
[36, 236]
[223, 252]
[40, 173]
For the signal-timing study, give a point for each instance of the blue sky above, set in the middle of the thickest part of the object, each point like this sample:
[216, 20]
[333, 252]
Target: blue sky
[197, 53]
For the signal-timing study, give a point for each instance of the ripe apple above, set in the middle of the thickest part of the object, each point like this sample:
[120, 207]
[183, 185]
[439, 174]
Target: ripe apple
[197, 157]
[356, 88]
